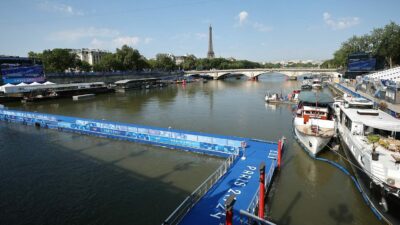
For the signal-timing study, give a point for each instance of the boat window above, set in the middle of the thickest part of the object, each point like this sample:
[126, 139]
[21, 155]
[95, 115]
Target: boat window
[361, 106]
[348, 122]
[383, 133]
[397, 135]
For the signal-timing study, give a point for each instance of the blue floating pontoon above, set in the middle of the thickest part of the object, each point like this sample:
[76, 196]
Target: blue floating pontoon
[239, 175]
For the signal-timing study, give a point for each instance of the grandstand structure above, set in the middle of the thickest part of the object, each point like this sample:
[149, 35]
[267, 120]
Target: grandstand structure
[390, 75]
[384, 85]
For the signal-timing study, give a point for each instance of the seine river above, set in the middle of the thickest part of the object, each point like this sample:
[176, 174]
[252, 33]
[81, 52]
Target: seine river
[48, 177]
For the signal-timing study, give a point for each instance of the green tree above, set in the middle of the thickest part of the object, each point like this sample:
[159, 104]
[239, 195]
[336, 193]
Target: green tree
[58, 60]
[380, 43]
[388, 44]
[83, 66]
[128, 58]
[107, 63]
[164, 62]
[189, 63]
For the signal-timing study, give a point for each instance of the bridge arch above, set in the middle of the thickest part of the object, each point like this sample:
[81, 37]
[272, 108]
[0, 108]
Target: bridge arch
[254, 73]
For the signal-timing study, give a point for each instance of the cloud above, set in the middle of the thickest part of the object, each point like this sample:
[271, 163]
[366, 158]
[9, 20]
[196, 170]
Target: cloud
[119, 41]
[126, 40]
[340, 23]
[261, 27]
[56, 7]
[242, 17]
[96, 43]
[243, 20]
[148, 40]
[79, 33]
[93, 37]
[201, 36]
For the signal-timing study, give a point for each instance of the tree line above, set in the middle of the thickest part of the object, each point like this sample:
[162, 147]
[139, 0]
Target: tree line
[381, 43]
[128, 59]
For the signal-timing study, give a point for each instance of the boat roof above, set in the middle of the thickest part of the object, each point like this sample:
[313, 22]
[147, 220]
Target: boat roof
[135, 80]
[356, 101]
[319, 109]
[315, 97]
[28, 88]
[373, 118]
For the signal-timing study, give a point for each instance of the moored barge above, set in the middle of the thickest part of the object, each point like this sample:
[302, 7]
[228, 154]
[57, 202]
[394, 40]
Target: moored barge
[371, 142]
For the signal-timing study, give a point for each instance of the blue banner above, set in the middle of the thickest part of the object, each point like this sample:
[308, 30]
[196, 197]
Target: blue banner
[361, 64]
[26, 74]
[197, 142]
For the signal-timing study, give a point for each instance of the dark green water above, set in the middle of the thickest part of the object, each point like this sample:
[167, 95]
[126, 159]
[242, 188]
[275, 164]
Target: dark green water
[49, 177]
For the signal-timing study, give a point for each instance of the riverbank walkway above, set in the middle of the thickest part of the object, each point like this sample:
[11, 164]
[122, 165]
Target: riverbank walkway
[392, 108]
[249, 167]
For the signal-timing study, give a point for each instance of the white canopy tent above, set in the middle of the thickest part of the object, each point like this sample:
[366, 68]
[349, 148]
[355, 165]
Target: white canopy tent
[21, 84]
[48, 83]
[35, 83]
[6, 85]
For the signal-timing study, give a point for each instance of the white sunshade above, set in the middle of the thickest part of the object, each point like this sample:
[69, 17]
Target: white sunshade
[48, 83]
[35, 83]
[21, 84]
[6, 85]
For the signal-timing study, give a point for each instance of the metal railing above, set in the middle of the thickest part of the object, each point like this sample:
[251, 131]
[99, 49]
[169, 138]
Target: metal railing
[178, 214]
[113, 73]
[252, 219]
[270, 174]
[254, 201]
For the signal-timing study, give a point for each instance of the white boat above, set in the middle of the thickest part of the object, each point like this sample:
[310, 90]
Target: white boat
[294, 96]
[371, 140]
[313, 123]
[316, 83]
[272, 98]
[306, 85]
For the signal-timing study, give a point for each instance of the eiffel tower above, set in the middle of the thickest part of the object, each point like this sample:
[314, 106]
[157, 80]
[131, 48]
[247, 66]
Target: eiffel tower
[210, 53]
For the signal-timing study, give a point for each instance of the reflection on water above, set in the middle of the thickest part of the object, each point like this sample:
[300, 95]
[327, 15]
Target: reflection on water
[62, 178]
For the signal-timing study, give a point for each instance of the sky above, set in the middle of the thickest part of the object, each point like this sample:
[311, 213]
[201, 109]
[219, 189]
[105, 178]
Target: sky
[257, 30]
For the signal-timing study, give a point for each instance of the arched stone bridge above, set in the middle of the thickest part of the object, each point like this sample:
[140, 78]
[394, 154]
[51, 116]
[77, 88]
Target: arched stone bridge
[254, 73]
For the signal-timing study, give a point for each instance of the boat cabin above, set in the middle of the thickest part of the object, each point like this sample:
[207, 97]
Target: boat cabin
[316, 81]
[315, 112]
[360, 118]
[136, 83]
[313, 105]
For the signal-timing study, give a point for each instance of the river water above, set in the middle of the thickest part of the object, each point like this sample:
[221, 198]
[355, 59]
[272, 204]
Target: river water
[49, 177]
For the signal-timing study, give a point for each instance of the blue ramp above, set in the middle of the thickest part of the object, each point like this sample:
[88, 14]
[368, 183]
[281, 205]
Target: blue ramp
[242, 179]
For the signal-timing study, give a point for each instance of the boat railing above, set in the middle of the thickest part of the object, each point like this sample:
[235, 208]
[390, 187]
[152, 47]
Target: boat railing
[178, 214]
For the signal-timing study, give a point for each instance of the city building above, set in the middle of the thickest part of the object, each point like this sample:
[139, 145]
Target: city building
[179, 60]
[92, 56]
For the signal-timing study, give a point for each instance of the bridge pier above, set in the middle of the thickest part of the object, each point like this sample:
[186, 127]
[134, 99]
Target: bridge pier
[254, 78]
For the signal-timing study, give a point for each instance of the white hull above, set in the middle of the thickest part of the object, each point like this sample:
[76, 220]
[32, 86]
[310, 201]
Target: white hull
[313, 144]
[317, 86]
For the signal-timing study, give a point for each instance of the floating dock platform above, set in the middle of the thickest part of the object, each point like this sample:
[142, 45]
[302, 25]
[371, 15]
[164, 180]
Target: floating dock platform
[242, 180]
[83, 97]
[239, 184]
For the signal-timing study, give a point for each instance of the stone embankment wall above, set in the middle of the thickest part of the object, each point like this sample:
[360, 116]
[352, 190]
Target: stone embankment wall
[66, 78]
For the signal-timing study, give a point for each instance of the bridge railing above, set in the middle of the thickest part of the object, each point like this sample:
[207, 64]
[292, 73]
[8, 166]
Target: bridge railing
[178, 214]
